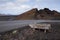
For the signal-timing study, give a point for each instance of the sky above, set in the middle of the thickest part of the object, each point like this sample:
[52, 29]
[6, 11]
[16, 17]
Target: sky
[16, 7]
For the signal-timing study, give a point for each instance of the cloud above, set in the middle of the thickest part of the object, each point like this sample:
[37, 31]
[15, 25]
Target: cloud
[25, 6]
[20, 6]
[5, 1]
[38, 0]
[11, 7]
[7, 5]
[15, 1]
[22, 1]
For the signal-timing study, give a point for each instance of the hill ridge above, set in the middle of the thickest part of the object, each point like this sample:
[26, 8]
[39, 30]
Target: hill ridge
[35, 14]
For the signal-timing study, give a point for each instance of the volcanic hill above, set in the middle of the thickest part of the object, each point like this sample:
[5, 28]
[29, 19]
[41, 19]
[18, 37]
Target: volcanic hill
[42, 14]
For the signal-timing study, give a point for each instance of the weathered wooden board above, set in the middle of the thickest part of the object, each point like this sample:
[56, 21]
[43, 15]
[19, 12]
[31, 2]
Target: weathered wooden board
[40, 26]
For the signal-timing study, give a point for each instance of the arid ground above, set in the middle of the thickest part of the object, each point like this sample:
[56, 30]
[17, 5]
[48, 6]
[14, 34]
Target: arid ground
[27, 33]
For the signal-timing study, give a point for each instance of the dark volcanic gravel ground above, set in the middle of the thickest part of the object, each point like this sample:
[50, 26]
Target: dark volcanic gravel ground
[27, 33]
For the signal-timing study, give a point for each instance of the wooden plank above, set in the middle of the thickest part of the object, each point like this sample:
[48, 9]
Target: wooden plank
[40, 26]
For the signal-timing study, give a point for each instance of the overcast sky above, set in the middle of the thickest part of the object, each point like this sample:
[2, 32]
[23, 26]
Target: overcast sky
[19, 6]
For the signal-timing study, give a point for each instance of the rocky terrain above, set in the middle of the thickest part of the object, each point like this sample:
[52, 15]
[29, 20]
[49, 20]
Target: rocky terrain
[35, 14]
[27, 33]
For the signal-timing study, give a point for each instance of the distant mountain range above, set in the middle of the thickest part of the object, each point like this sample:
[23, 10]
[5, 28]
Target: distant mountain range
[7, 17]
[35, 14]
[2, 14]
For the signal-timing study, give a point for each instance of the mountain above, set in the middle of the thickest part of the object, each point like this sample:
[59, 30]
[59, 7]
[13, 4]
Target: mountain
[35, 14]
[28, 15]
